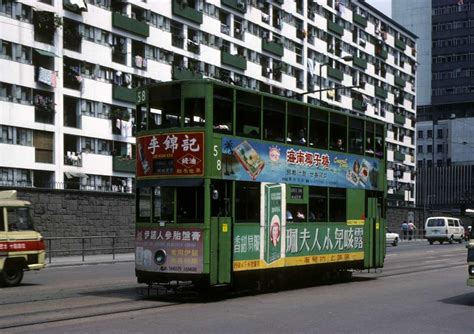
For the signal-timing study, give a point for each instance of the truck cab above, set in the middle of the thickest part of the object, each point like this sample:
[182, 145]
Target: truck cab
[470, 258]
[21, 247]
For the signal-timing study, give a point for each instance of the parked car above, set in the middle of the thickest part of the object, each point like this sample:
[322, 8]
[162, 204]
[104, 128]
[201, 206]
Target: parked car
[391, 238]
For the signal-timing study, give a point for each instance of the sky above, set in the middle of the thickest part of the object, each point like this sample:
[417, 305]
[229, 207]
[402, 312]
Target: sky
[385, 6]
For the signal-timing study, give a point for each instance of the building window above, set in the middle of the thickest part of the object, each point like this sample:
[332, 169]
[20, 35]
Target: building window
[440, 133]
[430, 149]
[439, 163]
[439, 148]
[429, 163]
[420, 163]
[430, 133]
[420, 133]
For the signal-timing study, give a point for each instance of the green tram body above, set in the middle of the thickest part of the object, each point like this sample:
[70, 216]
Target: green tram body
[223, 196]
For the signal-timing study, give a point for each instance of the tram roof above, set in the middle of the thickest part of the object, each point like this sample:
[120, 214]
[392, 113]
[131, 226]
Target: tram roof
[283, 98]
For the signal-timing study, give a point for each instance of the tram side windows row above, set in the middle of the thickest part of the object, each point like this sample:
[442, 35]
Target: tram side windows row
[164, 112]
[318, 204]
[248, 119]
[297, 124]
[338, 132]
[194, 111]
[318, 128]
[247, 202]
[274, 119]
[190, 205]
[223, 107]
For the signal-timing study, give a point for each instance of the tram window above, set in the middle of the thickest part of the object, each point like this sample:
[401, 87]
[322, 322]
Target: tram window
[223, 106]
[194, 111]
[274, 119]
[248, 107]
[338, 132]
[247, 202]
[2, 222]
[296, 212]
[165, 110]
[190, 205]
[163, 199]
[144, 203]
[356, 135]
[141, 117]
[379, 141]
[337, 205]
[318, 204]
[369, 138]
[297, 124]
[318, 128]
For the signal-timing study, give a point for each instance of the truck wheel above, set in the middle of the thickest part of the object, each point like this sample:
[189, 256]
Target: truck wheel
[430, 241]
[11, 275]
[451, 239]
[395, 242]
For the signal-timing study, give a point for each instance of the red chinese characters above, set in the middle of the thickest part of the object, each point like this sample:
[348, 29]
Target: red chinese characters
[307, 159]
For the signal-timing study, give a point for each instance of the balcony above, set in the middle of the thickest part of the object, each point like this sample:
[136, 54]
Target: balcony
[400, 44]
[189, 13]
[360, 62]
[131, 25]
[399, 119]
[358, 105]
[76, 7]
[397, 195]
[121, 164]
[399, 156]
[381, 52]
[238, 5]
[335, 73]
[123, 94]
[234, 60]
[380, 92]
[180, 73]
[273, 47]
[335, 28]
[359, 19]
[399, 81]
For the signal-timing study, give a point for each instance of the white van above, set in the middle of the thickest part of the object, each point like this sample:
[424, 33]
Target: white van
[444, 229]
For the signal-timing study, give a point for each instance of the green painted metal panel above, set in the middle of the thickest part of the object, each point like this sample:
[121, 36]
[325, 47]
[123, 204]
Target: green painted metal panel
[121, 164]
[335, 28]
[358, 105]
[355, 204]
[123, 94]
[272, 47]
[360, 62]
[234, 60]
[181, 9]
[400, 44]
[131, 25]
[399, 81]
[359, 19]
[399, 156]
[238, 5]
[380, 92]
[335, 73]
[399, 119]
[225, 249]
[185, 74]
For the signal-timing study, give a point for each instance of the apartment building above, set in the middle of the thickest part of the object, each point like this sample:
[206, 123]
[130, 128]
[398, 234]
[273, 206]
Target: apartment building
[70, 67]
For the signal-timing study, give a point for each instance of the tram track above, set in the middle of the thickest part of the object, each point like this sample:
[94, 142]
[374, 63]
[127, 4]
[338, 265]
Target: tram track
[97, 302]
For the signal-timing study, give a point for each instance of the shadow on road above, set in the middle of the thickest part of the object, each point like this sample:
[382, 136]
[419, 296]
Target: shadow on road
[465, 300]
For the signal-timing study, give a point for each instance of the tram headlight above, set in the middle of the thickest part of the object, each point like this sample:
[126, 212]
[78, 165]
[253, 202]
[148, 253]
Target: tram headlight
[471, 270]
[160, 257]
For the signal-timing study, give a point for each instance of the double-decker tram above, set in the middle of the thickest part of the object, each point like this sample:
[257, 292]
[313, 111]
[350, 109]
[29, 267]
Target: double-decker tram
[235, 185]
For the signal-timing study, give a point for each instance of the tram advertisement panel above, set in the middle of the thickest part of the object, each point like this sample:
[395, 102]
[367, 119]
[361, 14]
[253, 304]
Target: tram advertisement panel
[304, 244]
[171, 154]
[170, 250]
[250, 160]
[273, 222]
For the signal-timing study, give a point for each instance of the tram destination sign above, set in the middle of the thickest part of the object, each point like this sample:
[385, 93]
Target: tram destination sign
[251, 160]
[171, 154]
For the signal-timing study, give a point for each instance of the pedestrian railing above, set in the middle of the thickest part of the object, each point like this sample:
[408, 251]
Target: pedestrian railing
[90, 245]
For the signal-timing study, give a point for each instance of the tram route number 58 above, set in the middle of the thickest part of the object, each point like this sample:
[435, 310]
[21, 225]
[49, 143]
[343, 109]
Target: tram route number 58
[142, 96]
[218, 162]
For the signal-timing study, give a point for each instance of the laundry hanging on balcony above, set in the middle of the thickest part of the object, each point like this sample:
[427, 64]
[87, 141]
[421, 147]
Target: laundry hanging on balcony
[47, 77]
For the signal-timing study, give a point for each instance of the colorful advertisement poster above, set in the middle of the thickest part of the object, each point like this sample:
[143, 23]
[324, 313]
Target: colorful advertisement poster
[273, 222]
[250, 160]
[305, 244]
[171, 154]
[180, 250]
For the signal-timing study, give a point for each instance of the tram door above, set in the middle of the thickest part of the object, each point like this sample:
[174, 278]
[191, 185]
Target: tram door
[375, 233]
[221, 232]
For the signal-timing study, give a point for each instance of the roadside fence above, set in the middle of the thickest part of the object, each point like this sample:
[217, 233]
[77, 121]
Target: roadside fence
[90, 245]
